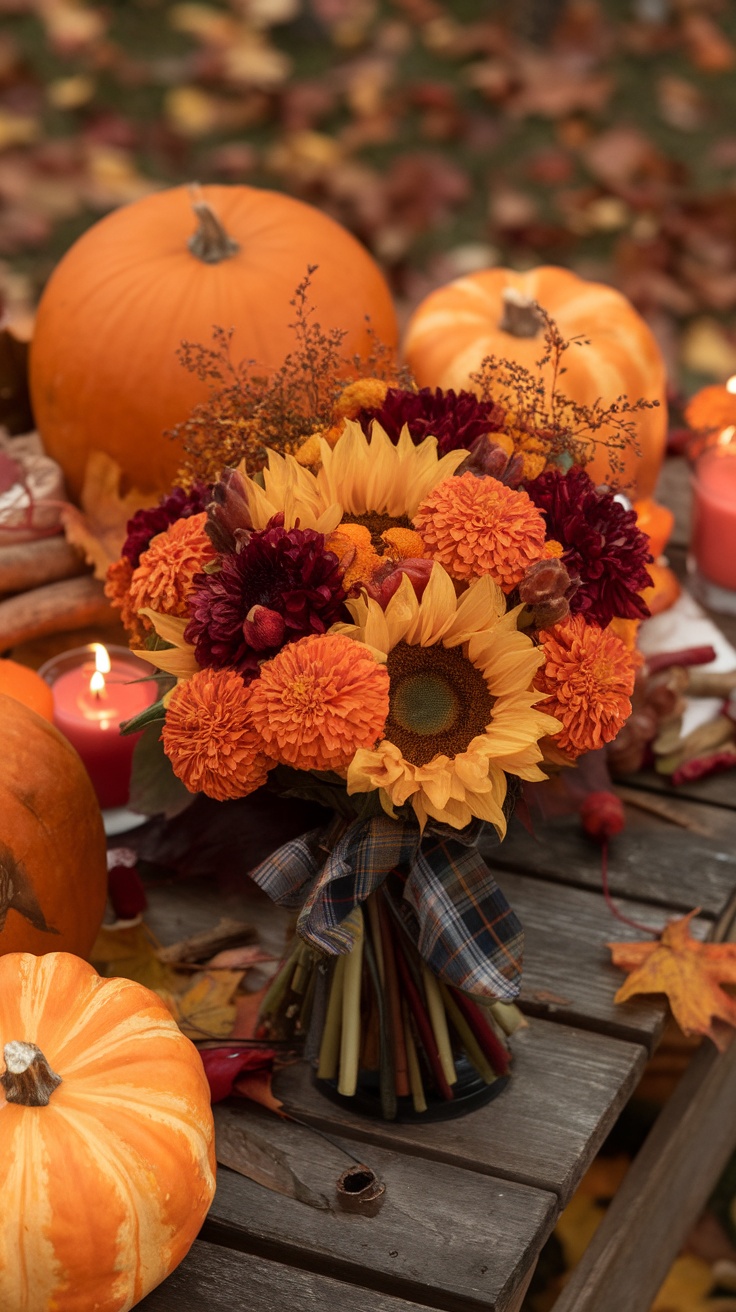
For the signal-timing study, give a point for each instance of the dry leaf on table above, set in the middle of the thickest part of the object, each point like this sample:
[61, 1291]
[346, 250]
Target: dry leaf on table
[688, 972]
[99, 528]
[130, 951]
[206, 1010]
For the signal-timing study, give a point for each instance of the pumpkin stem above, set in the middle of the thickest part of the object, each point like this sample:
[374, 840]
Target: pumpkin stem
[520, 316]
[28, 1078]
[210, 243]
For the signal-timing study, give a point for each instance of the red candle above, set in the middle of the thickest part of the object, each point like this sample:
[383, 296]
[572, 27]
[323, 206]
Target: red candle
[95, 690]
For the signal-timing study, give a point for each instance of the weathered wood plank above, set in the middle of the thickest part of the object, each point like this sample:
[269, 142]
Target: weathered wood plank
[663, 1193]
[567, 1088]
[718, 790]
[651, 861]
[215, 1279]
[568, 974]
[444, 1236]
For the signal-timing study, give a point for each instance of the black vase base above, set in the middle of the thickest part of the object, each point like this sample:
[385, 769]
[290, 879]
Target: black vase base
[469, 1093]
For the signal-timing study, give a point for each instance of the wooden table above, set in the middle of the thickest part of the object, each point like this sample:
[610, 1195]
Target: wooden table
[470, 1202]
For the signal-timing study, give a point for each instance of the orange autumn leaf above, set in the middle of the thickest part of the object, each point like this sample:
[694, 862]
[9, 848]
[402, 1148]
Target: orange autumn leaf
[688, 972]
[257, 1087]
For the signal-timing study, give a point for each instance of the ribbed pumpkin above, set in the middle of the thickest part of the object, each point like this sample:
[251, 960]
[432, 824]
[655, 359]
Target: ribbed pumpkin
[489, 313]
[27, 687]
[106, 1138]
[53, 861]
[104, 370]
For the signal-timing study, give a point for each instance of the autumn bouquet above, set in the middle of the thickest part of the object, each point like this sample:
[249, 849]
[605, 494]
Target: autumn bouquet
[417, 607]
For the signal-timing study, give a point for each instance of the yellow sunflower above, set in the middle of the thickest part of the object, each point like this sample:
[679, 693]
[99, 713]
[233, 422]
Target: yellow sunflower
[376, 483]
[461, 705]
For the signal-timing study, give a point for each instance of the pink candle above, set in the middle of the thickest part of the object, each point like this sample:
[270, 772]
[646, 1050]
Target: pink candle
[94, 693]
[713, 541]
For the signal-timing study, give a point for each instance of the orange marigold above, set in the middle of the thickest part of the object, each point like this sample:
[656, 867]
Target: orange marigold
[588, 675]
[117, 591]
[476, 526]
[210, 739]
[163, 579]
[319, 700]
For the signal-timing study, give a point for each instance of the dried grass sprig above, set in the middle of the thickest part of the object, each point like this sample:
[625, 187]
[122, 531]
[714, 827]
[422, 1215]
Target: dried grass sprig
[544, 414]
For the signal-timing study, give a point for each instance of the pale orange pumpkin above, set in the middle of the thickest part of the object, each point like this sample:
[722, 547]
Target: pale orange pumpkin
[27, 687]
[53, 859]
[104, 368]
[107, 1164]
[490, 313]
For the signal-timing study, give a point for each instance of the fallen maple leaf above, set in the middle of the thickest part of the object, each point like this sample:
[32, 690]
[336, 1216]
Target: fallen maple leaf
[223, 1066]
[207, 1008]
[688, 972]
[99, 528]
[130, 951]
[257, 1087]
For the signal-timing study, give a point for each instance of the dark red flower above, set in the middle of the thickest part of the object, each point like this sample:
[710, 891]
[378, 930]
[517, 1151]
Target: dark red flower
[281, 585]
[603, 547]
[454, 418]
[145, 524]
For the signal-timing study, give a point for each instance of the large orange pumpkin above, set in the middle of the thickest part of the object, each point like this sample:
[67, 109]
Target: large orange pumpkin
[53, 861]
[489, 313]
[107, 1165]
[104, 370]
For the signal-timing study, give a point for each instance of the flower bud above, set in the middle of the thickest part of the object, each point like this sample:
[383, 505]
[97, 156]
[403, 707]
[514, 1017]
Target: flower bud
[545, 581]
[549, 613]
[263, 629]
[383, 585]
[229, 511]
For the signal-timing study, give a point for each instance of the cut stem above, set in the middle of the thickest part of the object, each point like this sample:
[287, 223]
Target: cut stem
[438, 1017]
[415, 1074]
[350, 1037]
[210, 243]
[329, 1050]
[28, 1078]
[520, 314]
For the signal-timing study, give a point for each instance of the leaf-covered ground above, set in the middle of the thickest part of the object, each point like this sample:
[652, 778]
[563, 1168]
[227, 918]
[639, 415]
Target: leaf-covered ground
[446, 135]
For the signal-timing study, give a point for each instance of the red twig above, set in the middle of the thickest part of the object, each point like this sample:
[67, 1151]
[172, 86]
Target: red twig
[423, 1023]
[663, 660]
[635, 924]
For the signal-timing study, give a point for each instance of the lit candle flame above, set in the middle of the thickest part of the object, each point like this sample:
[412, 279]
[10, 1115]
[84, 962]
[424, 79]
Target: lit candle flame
[97, 683]
[726, 436]
[102, 658]
[102, 667]
[731, 385]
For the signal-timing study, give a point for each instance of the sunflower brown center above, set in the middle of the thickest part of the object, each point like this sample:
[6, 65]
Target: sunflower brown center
[438, 702]
[378, 523]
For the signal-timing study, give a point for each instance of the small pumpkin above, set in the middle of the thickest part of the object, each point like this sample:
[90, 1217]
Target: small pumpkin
[664, 591]
[656, 521]
[491, 313]
[104, 370]
[53, 859]
[27, 687]
[107, 1164]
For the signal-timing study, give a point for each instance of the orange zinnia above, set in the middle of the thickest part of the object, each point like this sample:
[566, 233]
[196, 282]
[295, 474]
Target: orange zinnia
[319, 700]
[210, 739]
[588, 675]
[478, 526]
[163, 578]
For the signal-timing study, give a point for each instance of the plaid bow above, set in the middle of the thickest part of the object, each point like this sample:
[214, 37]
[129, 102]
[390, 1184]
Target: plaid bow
[460, 920]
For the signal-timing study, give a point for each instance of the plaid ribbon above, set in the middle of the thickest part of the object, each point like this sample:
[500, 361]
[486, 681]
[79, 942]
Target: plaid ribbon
[459, 919]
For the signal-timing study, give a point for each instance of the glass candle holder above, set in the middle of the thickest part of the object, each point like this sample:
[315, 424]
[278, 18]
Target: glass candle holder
[96, 689]
[712, 555]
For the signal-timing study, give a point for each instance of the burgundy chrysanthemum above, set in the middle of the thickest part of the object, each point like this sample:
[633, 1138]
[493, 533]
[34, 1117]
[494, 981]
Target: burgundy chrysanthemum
[280, 586]
[454, 418]
[145, 524]
[602, 545]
